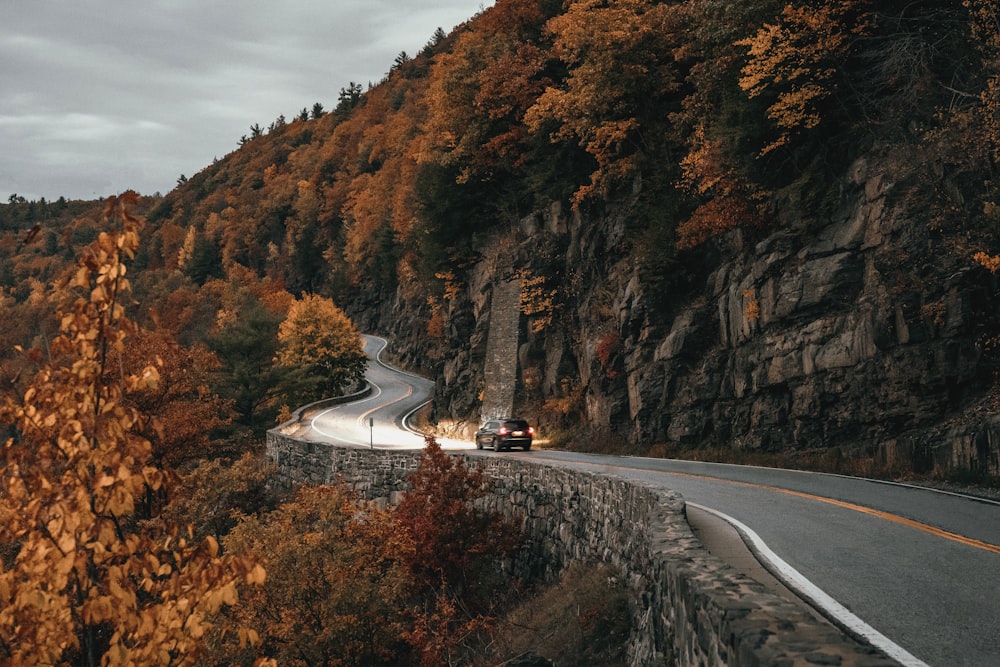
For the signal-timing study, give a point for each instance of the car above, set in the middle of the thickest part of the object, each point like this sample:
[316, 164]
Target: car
[499, 434]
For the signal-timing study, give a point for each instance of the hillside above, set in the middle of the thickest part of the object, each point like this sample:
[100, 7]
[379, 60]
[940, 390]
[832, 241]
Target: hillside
[746, 229]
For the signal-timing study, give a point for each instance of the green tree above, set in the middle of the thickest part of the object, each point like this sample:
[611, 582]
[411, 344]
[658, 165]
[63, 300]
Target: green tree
[348, 98]
[246, 347]
[205, 261]
[320, 348]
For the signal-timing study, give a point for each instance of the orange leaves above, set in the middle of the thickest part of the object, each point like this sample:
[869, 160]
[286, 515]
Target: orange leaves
[729, 200]
[540, 301]
[333, 594]
[174, 391]
[480, 89]
[453, 549]
[448, 532]
[619, 62]
[795, 61]
[985, 26]
[70, 480]
[715, 217]
[990, 262]
[257, 575]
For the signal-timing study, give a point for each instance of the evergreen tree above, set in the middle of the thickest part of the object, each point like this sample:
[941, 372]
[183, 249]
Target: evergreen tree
[205, 261]
[246, 347]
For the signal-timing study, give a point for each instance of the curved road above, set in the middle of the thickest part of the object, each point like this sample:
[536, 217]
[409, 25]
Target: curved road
[381, 419]
[915, 571]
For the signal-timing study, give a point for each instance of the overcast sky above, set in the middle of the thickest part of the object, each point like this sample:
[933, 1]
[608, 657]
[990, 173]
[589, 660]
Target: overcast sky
[100, 96]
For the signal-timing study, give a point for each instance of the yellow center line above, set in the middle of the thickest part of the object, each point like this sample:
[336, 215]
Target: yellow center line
[365, 415]
[895, 518]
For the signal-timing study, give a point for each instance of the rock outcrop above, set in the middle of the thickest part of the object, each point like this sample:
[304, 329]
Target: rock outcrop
[862, 338]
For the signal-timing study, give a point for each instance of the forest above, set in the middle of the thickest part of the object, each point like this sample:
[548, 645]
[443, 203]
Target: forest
[148, 341]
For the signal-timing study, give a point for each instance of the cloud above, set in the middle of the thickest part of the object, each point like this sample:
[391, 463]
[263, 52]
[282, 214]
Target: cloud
[98, 96]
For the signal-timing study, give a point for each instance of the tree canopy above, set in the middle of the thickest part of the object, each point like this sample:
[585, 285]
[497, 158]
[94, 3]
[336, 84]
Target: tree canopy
[320, 346]
[83, 581]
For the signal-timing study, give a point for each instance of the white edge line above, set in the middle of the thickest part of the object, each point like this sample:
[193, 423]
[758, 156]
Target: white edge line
[378, 359]
[312, 421]
[797, 582]
[406, 419]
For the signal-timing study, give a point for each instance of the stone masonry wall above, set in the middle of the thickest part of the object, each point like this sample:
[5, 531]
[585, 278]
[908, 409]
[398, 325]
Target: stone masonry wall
[691, 609]
[500, 370]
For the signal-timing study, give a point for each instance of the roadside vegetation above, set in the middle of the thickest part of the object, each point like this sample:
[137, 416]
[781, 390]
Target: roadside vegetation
[127, 541]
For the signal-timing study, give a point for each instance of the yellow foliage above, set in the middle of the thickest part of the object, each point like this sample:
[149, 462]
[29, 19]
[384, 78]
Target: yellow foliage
[435, 323]
[70, 480]
[618, 55]
[986, 29]
[318, 337]
[538, 302]
[795, 61]
[452, 287]
[751, 306]
[989, 262]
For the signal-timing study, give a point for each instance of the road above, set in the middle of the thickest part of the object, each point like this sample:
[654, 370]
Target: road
[915, 571]
[382, 419]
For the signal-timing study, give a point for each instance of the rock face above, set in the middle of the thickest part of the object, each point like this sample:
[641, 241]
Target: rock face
[861, 337]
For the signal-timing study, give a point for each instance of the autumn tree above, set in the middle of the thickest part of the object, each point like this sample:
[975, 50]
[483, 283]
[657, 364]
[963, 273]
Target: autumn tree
[474, 152]
[320, 347]
[481, 87]
[985, 26]
[727, 199]
[336, 592]
[84, 583]
[796, 60]
[210, 496]
[304, 253]
[456, 550]
[619, 89]
[182, 397]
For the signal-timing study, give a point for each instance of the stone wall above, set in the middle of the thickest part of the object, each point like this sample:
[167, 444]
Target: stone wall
[691, 609]
[500, 370]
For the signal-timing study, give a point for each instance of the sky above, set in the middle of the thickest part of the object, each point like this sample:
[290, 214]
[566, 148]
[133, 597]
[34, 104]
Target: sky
[101, 96]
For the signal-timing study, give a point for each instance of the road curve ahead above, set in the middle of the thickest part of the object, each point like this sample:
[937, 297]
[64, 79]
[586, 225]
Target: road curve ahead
[915, 571]
[382, 419]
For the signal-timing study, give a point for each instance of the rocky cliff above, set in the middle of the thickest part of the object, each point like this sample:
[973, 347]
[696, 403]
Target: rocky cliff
[864, 339]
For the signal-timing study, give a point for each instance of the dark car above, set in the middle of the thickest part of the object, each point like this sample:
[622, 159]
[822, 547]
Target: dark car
[501, 434]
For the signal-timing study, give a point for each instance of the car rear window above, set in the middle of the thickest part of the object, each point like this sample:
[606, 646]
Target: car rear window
[517, 424]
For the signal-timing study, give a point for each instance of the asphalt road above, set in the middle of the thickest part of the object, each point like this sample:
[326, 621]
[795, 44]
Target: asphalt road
[914, 571]
[918, 568]
[380, 419]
